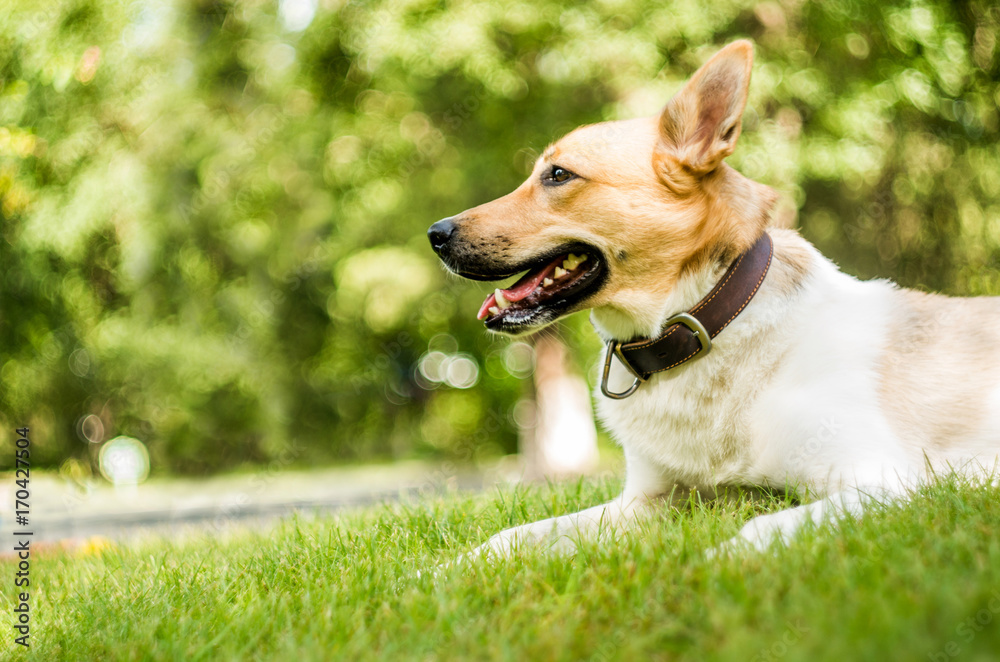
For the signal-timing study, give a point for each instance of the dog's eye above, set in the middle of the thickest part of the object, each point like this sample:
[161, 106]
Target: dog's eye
[556, 176]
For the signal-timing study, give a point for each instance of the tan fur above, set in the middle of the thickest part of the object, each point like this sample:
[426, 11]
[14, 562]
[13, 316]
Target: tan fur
[939, 368]
[792, 261]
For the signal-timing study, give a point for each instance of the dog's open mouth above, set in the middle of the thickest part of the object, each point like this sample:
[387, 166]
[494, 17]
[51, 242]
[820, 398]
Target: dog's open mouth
[545, 291]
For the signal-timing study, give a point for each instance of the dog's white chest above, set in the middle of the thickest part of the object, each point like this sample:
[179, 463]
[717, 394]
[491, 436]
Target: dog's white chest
[691, 426]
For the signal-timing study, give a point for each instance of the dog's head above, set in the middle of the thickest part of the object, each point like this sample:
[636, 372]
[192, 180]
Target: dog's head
[614, 213]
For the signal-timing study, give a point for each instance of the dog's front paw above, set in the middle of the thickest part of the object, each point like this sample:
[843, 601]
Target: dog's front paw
[500, 546]
[764, 530]
[756, 535]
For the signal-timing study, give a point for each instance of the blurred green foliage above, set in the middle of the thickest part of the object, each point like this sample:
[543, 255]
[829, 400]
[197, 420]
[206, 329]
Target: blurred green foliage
[213, 213]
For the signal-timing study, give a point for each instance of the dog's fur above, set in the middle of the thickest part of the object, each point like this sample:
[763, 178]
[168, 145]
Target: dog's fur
[824, 385]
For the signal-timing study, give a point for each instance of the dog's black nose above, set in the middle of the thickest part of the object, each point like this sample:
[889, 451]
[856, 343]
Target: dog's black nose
[440, 233]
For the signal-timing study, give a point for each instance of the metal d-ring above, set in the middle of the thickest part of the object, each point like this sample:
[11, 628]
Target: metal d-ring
[614, 349]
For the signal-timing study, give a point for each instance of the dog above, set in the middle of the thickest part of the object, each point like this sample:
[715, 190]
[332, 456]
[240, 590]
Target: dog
[737, 355]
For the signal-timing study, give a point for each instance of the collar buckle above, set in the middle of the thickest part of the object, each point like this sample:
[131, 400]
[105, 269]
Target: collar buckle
[699, 330]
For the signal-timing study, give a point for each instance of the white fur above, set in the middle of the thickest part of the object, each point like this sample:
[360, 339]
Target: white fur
[787, 398]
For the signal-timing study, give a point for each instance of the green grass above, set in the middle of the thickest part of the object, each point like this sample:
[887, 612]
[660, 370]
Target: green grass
[900, 585]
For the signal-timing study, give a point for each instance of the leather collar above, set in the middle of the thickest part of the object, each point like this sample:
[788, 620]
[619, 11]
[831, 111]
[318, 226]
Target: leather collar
[688, 336]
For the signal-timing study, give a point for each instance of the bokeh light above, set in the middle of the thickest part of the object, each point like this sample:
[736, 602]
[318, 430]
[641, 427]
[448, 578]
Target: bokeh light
[456, 370]
[124, 461]
[90, 428]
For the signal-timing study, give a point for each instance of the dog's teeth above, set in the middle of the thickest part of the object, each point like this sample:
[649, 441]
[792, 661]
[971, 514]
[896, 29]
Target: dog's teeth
[573, 261]
[547, 282]
[502, 302]
[560, 272]
[494, 310]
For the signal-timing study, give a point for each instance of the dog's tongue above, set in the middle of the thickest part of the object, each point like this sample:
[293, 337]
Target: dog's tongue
[522, 288]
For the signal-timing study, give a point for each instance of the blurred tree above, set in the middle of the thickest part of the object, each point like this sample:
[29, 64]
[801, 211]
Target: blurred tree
[213, 212]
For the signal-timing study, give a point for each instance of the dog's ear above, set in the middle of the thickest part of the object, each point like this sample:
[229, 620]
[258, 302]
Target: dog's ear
[700, 125]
